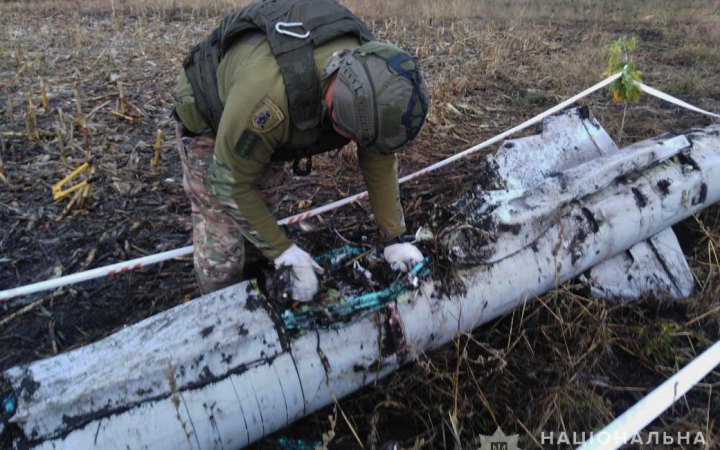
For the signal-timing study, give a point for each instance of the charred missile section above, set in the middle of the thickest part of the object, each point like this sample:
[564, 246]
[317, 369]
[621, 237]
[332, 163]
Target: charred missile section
[570, 158]
[226, 369]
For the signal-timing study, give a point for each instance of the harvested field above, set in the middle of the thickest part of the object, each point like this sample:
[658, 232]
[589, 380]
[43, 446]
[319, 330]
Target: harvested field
[81, 81]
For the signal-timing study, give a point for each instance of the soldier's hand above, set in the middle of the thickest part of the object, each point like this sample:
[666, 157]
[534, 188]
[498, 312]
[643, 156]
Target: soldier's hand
[403, 256]
[304, 282]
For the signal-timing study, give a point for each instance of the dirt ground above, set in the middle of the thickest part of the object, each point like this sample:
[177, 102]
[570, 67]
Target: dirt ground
[80, 82]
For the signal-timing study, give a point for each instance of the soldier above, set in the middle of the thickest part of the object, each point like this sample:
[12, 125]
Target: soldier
[279, 81]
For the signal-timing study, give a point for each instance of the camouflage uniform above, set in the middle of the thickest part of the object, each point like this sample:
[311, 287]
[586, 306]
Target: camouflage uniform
[218, 229]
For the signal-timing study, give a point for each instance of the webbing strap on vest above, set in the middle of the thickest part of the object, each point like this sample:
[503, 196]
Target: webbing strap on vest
[324, 20]
[199, 64]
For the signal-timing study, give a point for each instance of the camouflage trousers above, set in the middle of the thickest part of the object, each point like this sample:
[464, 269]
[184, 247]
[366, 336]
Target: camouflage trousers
[218, 239]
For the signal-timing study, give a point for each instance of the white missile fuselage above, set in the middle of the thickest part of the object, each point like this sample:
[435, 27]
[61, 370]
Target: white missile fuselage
[223, 371]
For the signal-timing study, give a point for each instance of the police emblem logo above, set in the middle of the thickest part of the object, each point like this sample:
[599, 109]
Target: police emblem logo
[260, 119]
[266, 116]
[499, 441]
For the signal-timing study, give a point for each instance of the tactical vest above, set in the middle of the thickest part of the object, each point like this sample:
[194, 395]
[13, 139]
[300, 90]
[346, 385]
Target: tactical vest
[293, 29]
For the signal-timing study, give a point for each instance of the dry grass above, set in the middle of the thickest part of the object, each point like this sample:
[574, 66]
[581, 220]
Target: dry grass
[657, 12]
[563, 363]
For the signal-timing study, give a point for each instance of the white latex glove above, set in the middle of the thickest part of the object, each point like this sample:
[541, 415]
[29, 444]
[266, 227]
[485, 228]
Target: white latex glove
[402, 257]
[305, 282]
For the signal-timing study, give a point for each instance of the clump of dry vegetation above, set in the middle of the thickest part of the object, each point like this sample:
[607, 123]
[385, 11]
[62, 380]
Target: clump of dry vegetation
[91, 81]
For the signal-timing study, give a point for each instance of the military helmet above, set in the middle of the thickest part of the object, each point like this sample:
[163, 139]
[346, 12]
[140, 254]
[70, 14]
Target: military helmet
[380, 96]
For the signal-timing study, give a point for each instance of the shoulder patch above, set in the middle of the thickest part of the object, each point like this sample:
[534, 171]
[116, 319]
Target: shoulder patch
[266, 116]
[246, 144]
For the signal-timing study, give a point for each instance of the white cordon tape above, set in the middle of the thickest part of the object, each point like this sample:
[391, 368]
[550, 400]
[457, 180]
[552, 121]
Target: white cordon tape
[91, 274]
[148, 260]
[632, 421]
[669, 98]
[445, 162]
[153, 259]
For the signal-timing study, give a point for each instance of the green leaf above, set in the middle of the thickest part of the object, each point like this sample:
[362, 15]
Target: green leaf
[624, 89]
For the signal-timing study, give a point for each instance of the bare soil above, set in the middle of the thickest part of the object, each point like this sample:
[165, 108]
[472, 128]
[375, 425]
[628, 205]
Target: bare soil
[563, 363]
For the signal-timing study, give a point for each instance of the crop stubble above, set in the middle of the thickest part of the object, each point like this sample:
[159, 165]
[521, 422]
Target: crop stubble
[564, 363]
